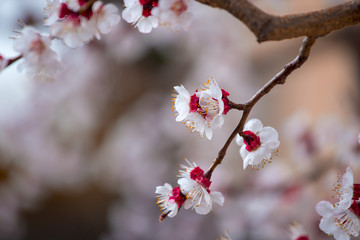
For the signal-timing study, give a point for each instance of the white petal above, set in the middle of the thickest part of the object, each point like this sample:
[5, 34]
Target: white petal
[253, 125]
[202, 207]
[259, 154]
[166, 189]
[173, 211]
[239, 140]
[268, 134]
[217, 197]
[247, 159]
[145, 25]
[243, 152]
[97, 5]
[186, 184]
[154, 21]
[188, 203]
[341, 235]
[348, 178]
[132, 14]
[208, 133]
[328, 225]
[215, 90]
[130, 3]
[182, 91]
[166, 4]
[325, 209]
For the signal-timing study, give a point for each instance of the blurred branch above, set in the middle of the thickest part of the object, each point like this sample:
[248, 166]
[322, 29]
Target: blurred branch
[268, 27]
[11, 61]
[279, 78]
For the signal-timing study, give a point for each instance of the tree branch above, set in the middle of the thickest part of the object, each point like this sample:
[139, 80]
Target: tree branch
[279, 78]
[268, 27]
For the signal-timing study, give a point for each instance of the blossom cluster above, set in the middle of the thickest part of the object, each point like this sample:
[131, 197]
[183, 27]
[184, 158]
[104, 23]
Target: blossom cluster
[193, 193]
[75, 24]
[202, 112]
[149, 14]
[342, 219]
[73, 21]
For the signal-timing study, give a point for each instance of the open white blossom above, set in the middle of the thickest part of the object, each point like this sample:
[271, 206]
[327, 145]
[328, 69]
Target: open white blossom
[39, 60]
[76, 27]
[342, 219]
[196, 186]
[203, 111]
[342, 223]
[139, 13]
[169, 199]
[257, 143]
[174, 14]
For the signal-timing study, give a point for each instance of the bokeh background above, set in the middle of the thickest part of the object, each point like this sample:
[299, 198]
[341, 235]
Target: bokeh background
[80, 157]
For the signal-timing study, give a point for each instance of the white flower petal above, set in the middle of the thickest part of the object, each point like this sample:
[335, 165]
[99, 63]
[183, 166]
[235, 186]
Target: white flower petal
[208, 133]
[217, 197]
[348, 178]
[133, 13]
[247, 158]
[341, 235]
[239, 140]
[130, 3]
[268, 134]
[253, 125]
[328, 225]
[325, 209]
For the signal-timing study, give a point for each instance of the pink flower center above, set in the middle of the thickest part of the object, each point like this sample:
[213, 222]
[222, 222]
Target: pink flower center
[148, 5]
[251, 140]
[225, 94]
[197, 174]
[179, 7]
[194, 103]
[355, 208]
[302, 238]
[65, 12]
[177, 196]
[356, 192]
[38, 46]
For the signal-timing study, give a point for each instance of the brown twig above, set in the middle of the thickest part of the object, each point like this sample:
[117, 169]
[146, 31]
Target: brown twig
[271, 27]
[279, 78]
[237, 106]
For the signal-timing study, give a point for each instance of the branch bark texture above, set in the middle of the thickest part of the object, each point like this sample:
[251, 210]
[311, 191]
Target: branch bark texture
[268, 27]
